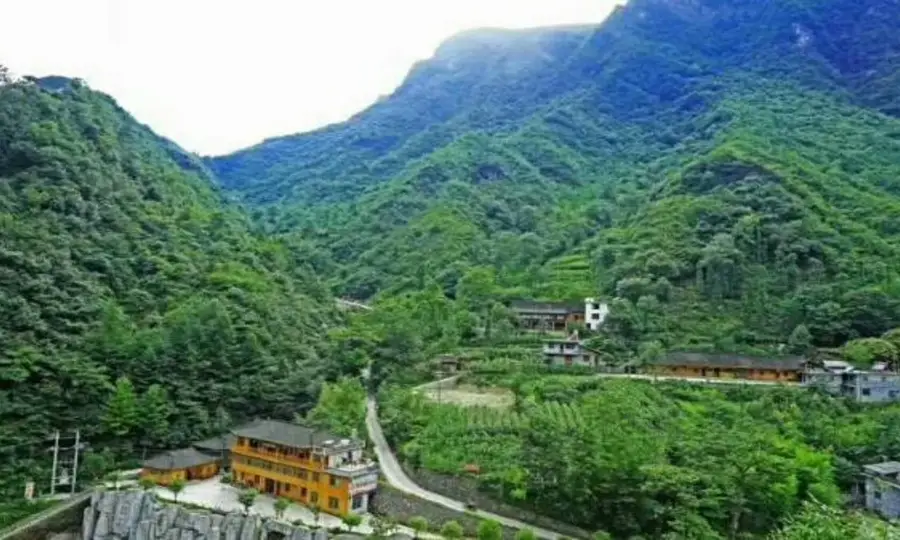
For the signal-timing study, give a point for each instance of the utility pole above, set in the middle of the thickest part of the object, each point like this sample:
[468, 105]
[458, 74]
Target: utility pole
[75, 460]
[55, 462]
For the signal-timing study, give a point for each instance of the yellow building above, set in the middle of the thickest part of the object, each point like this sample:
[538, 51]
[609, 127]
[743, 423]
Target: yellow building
[305, 465]
[185, 464]
[727, 366]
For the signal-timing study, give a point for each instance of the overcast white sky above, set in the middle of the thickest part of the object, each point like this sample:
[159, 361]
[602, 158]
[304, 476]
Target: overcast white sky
[218, 75]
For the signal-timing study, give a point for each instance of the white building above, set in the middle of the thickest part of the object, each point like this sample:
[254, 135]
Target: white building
[595, 313]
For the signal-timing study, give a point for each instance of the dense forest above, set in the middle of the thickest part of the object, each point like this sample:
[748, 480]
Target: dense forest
[135, 305]
[722, 188]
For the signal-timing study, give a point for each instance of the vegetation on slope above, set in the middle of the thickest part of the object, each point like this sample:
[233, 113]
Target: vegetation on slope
[726, 188]
[633, 458]
[135, 305]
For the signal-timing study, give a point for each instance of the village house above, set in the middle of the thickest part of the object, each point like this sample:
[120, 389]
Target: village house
[185, 464]
[877, 385]
[559, 316]
[882, 488]
[309, 466]
[571, 351]
[728, 366]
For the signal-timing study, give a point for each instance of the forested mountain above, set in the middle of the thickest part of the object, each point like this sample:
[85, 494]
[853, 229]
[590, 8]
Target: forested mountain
[728, 170]
[134, 304]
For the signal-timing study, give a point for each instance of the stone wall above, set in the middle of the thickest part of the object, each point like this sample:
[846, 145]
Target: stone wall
[467, 489]
[132, 515]
[402, 507]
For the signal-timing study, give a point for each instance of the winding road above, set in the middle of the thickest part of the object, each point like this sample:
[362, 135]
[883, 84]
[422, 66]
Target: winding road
[395, 476]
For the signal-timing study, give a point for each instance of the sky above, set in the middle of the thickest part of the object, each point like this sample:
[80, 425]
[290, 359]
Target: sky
[219, 75]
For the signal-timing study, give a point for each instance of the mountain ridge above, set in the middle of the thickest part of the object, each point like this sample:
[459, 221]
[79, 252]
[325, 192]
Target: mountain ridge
[544, 177]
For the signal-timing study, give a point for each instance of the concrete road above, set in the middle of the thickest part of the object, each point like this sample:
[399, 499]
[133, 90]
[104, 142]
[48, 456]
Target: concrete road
[395, 476]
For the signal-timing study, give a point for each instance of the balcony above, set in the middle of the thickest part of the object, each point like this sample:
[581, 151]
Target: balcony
[363, 488]
[280, 457]
[354, 469]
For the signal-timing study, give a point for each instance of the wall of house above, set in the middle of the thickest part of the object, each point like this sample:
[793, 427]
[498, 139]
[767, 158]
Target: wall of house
[164, 478]
[726, 373]
[203, 471]
[295, 476]
[882, 497]
[877, 387]
[595, 313]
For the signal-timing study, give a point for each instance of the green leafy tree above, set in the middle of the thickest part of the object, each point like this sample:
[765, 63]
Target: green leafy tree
[800, 341]
[490, 530]
[525, 534]
[351, 521]
[122, 415]
[176, 487]
[452, 530]
[281, 505]
[247, 497]
[419, 524]
[147, 483]
[867, 351]
[154, 414]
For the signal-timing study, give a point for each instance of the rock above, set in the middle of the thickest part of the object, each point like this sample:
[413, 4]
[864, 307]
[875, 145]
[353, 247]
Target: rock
[87, 521]
[63, 536]
[231, 527]
[165, 520]
[250, 528]
[128, 509]
[144, 530]
[200, 524]
[138, 516]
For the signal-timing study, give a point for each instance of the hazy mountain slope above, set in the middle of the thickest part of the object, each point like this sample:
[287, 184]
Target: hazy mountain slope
[650, 149]
[115, 261]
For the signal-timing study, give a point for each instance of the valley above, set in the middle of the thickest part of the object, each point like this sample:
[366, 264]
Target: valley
[714, 185]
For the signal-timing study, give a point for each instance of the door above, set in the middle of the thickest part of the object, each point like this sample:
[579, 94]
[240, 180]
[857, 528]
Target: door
[270, 486]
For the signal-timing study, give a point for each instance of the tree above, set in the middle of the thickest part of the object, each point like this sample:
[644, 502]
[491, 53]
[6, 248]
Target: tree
[280, 506]
[452, 530]
[247, 497]
[525, 534]
[176, 486]
[4, 75]
[419, 524]
[351, 520]
[147, 483]
[490, 530]
[155, 410]
[864, 352]
[122, 409]
[800, 341]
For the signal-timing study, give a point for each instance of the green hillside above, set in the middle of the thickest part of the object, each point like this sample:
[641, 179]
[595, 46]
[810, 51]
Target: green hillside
[726, 170]
[118, 260]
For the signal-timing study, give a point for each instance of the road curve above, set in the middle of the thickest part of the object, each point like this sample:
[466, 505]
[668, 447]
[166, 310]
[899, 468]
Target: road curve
[395, 476]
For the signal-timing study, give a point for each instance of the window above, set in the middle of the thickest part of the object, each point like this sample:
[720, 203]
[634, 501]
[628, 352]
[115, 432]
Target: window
[892, 394]
[877, 495]
[357, 502]
[333, 503]
[303, 492]
[315, 477]
[334, 481]
[313, 497]
[242, 441]
[287, 488]
[866, 391]
[595, 316]
[302, 475]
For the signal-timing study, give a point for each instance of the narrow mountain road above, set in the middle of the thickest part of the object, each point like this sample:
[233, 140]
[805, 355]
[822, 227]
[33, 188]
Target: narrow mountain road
[395, 476]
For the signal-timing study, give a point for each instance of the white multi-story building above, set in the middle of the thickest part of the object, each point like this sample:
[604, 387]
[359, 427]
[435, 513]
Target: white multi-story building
[595, 313]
